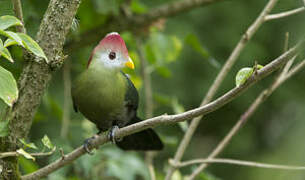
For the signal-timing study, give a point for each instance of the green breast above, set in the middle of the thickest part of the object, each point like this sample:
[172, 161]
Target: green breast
[99, 95]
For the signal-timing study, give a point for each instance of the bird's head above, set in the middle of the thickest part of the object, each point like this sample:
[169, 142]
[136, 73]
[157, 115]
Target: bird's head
[111, 52]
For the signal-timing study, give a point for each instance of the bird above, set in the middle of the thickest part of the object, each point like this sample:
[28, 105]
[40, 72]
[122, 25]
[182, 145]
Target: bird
[108, 98]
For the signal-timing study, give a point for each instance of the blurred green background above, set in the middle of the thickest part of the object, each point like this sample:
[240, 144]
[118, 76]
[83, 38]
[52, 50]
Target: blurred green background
[184, 54]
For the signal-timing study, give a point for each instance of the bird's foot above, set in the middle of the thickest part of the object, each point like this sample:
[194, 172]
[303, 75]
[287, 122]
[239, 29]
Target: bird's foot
[111, 134]
[88, 144]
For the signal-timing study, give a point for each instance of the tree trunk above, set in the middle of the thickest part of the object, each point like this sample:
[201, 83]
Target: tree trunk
[35, 78]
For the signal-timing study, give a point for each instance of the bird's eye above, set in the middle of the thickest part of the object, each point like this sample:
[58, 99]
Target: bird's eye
[112, 55]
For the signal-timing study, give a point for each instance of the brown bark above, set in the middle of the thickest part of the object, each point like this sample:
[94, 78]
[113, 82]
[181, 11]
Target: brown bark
[35, 78]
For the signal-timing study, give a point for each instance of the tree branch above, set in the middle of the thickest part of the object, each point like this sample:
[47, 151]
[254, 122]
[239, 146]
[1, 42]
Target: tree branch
[15, 154]
[36, 73]
[170, 119]
[18, 11]
[281, 77]
[220, 77]
[238, 162]
[35, 76]
[295, 69]
[284, 14]
[136, 22]
[145, 74]
[244, 118]
[170, 9]
[67, 96]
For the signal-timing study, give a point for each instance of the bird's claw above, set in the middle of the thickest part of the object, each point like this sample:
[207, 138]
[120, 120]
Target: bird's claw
[87, 144]
[112, 132]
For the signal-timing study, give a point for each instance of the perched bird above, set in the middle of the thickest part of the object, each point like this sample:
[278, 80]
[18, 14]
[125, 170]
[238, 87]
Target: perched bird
[108, 98]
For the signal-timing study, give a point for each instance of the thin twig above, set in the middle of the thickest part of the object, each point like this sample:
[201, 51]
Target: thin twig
[170, 9]
[149, 159]
[170, 119]
[62, 153]
[240, 163]
[123, 23]
[18, 11]
[67, 102]
[294, 70]
[284, 14]
[146, 80]
[250, 111]
[243, 119]
[149, 156]
[290, 62]
[14, 154]
[220, 77]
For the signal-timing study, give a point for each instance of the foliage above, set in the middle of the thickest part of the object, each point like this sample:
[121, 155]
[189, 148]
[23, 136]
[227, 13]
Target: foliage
[8, 87]
[25, 154]
[29, 145]
[184, 55]
[17, 38]
[244, 74]
[46, 142]
[4, 128]
[8, 21]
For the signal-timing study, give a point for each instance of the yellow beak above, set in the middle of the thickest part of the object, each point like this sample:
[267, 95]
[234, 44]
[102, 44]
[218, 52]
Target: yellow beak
[129, 64]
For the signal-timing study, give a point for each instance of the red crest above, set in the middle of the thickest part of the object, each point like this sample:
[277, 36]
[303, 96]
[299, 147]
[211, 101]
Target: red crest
[112, 41]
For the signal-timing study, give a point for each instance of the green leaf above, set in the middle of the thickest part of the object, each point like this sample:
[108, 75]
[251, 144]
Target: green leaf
[4, 129]
[25, 154]
[243, 75]
[162, 99]
[177, 175]
[29, 145]
[13, 36]
[9, 42]
[162, 48]
[46, 142]
[4, 52]
[163, 71]
[8, 87]
[118, 164]
[138, 7]
[176, 47]
[27, 166]
[8, 21]
[259, 66]
[32, 46]
[178, 108]
[194, 42]
[150, 56]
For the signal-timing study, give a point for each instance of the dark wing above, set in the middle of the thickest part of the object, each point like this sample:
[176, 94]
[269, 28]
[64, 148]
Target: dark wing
[143, 140]
[131, 97]
[146, 140]
[74, 105]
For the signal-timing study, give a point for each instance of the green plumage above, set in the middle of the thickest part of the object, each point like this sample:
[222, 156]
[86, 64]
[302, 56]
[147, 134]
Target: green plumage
[99, 94]
[107, 98]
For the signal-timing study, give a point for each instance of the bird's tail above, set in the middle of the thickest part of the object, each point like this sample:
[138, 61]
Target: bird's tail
[141, 141]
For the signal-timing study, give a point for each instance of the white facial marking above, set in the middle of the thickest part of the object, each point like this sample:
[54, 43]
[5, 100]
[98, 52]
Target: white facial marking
[116, 63]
